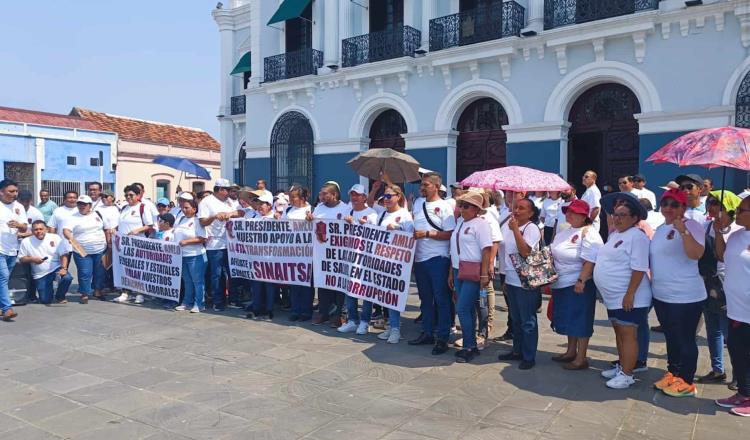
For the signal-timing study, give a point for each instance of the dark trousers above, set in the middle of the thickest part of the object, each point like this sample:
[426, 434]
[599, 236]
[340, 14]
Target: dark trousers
[434, 296]
[218, 271]
[263, 296]
[739, 352]
[548, 233]
[679, 322]
[522, 305]
[302, 300]
[327, 299]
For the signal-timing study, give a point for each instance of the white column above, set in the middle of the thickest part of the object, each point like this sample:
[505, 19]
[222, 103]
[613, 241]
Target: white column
[331, 29]
[345, 20]
[535, 14]
[429, 8]
[410, 16]
[226, 35]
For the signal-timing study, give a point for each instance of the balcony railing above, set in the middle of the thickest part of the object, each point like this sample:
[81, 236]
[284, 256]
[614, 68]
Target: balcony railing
[497, 21]
[292, 64]
[564, 12]
[401, 41]
[238, 105]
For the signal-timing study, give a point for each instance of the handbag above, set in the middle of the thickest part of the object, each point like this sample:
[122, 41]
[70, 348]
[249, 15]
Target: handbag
[716, 302]
[467, 270]
[537, 269]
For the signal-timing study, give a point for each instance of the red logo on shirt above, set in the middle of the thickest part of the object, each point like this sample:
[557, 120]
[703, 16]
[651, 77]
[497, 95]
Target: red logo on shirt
[338, 216]
[51, 244]
[437, 210]
[618, 244]
[190, 225]
[670, 236]
[18, 211]
[466, 231]
[166, 238]
[574, 238]
[398, 219]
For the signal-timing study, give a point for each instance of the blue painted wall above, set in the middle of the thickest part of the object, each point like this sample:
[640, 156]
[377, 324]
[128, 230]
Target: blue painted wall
[56, 167]
[254, 169]
[15, 149]
[543, 156]
[333, 167]
[435, 159]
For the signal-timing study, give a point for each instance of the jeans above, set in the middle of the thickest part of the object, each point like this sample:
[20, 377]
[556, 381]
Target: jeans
[7, 262]
[218, 268]
[717, 331]
[326, 299]
[90, 272]
[263, 295]
[45, 286]
[302, 300]
[644, 339]
[432, 283]
[353, 313]
[679, 322]
[522, 305]
[394, 319]
[468, 295]
[193, 276]
[739, 352]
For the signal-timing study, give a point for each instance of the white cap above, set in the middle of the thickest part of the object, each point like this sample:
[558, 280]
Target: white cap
[185, 196]
[670, 185]
[357, 188]
[223, 183]
[84, 199]
[443, 188]
[266, 198]
[282, 198]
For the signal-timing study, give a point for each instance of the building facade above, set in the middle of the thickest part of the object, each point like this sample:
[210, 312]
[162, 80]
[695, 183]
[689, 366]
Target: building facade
[54, 152]
[464, 85]
[140, 142]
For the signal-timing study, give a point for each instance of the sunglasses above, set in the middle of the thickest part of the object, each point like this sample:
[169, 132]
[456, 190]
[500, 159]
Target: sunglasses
[687, 186]
[621, 215]
[130, 195]
[389, 196]
[674, 204]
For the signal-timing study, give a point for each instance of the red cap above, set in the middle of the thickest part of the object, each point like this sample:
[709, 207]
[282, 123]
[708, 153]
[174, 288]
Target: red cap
[675, 194]
[577, 206]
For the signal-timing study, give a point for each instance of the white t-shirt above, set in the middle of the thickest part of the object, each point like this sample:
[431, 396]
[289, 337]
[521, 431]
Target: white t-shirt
[295, 213]
[401, 217]
[674, 276]
[531, 235]
[475, 235]
[737, 261]
[151, 207]
[562, 221]
[623, 253]
[96, 204]
[33, 214]
[338, 212]
[52, 247]
[549, 211]
[500, 260]
[367, 213]
[88, 230]
[696, 214]
[570, 250]
[649, 195]
[441, 215]
[655, 219]
[8, 237]
[59, 215]
[168, 235]
[131, 219]
[250, 213]
[110, 214]
[720, 266]
[593, 197]
[216, 231]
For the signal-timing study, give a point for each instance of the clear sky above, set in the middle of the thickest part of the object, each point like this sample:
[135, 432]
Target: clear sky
[148, 59]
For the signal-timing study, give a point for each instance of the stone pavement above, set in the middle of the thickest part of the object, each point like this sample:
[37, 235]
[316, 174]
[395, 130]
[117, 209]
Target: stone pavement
[110, 371]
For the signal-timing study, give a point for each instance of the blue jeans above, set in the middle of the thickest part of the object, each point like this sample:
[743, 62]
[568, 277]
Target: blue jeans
[522, 305]
[45, 284]
[468, 295]
[90, 272]
[394, 319]
[679, 322]
[717, 331]
[302, 300]
[353, 313]
[432, 284]
[193, 276]
[218, 268]
[263, 295]
[7, 263]
[644, 338]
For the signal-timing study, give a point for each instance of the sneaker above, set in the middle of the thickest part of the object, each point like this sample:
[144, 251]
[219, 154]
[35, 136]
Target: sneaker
[180, 308]
[665, 381]
[121, 299]
[640, 366]
[195, 309]
[395, 336]
[612, 372]
[680, 388]
[731, 402]
[742, 410]
[385, 335]
[466, 355]
[712, 377]
[363, 328]
[139, 299]
[621, 381]
[349, 327]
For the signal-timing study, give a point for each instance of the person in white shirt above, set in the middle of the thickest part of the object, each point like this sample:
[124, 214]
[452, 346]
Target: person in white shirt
[620, 275]
[162, 206]
[592, 196]
[708, 186]
[566, 198]
[150, 205]
[574, 252]
[32, 214]
[735, 253]
[62, 212]
[655, 218]
[135, 219]
[301, 297]
[111, 216]
[234, 192]
[86, 232]
[261, 187]
[12, 221]
[47, 254]
[692, 186]
[264, 292]
[95, 192]
[626, 184]
[548, 214]
[190, 234]
[639, 182]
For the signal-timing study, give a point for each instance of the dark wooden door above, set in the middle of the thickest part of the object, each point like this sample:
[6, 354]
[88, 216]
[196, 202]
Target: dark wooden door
[481, 143]
[386, 15]
[386, 131]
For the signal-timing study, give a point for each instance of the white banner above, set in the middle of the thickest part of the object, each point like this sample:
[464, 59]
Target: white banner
[276, 251]
[147, 266]
[364, 261]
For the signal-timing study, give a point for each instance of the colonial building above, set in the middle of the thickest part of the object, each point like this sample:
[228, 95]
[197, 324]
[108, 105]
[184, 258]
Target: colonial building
[55, 152]
[141, 141]
[463, 85]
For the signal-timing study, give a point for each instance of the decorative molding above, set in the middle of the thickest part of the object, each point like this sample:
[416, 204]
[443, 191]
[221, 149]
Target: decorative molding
[430, 139]
[526, 50]
[729, 97]
[684, 27]
[719, 21]
[446, 76]
[664, 122]
[366, 113]
[540, 51]
[310, 91]
[338, 146]
[598, 49]
[291, 97]
[357, 90]
[274, 103]
[537, 132]
[379, 83]
[456, 101]
[639, 41]
[743, 15]
[295, 108]
[666, 28]
[562, 59]
[403, 81]
[474, 69]
[504, 67]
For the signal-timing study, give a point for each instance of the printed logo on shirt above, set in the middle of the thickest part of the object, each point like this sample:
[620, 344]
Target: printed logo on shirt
[618, 244]
[18, 211]
[670, 236]
[398, 219]
[52, 243]
[466, 231]
[338, 216]
[132, 212]
[166, 238]
[190, 225]
[574, 239]
[437, 210]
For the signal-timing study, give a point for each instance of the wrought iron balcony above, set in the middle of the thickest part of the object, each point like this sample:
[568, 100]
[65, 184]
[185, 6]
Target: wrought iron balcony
[238, 105]
[292, 64]
[499, 20]
[401, 41]
[564, 12]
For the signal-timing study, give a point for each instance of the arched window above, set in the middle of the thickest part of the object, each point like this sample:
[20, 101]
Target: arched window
[291, 152]
[742, 109]
[386, 131]
[481, 143]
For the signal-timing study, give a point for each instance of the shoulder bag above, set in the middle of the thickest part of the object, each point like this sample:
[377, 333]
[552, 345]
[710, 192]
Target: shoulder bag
[537, 269]
[467, 270]
[429, 220]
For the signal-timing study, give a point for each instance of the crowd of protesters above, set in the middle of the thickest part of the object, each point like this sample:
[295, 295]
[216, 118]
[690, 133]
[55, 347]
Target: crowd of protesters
[687, 257]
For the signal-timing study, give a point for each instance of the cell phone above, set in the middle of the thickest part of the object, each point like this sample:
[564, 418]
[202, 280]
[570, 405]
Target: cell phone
[45, 258]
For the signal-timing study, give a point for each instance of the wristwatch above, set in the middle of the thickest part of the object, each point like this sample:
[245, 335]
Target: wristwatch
[686, 232]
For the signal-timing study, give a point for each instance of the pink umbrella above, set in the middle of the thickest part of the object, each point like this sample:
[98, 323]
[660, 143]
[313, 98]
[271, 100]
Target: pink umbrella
[515, 178]
[710, 148]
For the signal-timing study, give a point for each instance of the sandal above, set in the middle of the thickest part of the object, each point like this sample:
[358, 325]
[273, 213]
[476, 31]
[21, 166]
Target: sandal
[563, 358]
[572, 366]
[84, 299]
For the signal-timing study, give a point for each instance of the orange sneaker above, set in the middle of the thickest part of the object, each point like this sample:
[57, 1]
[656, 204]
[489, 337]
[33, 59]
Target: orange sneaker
[665, 381]
[680, 388]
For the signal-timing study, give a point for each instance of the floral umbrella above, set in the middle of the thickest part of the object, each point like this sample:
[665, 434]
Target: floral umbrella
[710, 148]
[515, 178]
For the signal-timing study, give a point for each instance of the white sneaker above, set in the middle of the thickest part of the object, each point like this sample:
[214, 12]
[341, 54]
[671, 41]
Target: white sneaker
[621, 381]
[612, 372]
[363, 328]
[139, 299]
[385, 335]
[195, 309]
[395, 336]
[349, 327]
[180, 308]
[121, 299]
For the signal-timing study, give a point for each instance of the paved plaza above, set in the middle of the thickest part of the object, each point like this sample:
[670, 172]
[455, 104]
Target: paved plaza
[109, 371]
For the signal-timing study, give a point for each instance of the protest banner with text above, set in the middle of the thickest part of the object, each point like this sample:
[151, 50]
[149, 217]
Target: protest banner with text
[147, 266]
[276, 251]
[364, 261]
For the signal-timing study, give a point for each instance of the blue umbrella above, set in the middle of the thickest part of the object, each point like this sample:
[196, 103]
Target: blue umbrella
[182, 164]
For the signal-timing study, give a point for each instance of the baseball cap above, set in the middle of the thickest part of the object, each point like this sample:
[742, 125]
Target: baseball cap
[692, 177]
[639, 178]
[675, 194]
[577, 206]
[185, 196]
[282, 198]
[358, 188]
[266, 198]
[443, 188]
[163, 201]
[223, 183]
[670, 185]
[84, 199]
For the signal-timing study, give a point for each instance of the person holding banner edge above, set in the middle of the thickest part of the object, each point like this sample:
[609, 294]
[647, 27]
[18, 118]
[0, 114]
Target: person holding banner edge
[263, 292]
[214, 211]
[300, 296]
[190, 234]
[135, 219]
